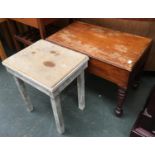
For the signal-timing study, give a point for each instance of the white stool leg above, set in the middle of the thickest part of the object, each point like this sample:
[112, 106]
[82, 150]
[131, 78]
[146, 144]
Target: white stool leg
[22, 89]
[56, 106]
[81, 91]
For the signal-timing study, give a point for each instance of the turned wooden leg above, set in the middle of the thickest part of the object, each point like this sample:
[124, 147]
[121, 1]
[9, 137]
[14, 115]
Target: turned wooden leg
[121, 98]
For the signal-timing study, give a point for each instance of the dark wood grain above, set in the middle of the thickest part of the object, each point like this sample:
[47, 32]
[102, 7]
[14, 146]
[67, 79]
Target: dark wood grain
[2, 52]
[33, 22]
[5, 34]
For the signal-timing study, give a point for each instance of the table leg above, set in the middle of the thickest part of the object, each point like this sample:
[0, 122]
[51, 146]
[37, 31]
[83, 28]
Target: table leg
[22, 89]
[81, 91]
[121, 98]
[56, 106]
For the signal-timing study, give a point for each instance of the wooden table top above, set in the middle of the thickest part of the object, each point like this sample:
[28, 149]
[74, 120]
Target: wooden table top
[45, 63]
[2, 20]
[34, 21]
[117, 48]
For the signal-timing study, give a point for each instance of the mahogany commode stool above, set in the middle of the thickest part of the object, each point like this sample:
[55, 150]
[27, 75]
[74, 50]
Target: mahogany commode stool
[116, 56]
[49, 68]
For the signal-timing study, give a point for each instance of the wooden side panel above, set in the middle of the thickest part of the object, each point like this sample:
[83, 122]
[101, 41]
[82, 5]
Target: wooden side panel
[34, 21]
[5, 34]
[109, 72]
[2, 52]
[27, 21]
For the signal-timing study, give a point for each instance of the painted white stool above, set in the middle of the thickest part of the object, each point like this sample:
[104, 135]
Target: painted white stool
[49, 68]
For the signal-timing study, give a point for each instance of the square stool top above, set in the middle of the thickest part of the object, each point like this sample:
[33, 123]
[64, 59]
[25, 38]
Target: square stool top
[45, 63]
[117, 48]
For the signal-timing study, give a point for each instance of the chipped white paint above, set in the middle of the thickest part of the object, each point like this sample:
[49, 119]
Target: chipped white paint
[49, 68]
[22, 89]
[56, 106]
[39, 66]
[81, 91]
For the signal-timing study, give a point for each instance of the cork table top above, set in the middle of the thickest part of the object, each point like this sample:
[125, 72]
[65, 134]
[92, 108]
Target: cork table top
[120, 49]
[45, 62]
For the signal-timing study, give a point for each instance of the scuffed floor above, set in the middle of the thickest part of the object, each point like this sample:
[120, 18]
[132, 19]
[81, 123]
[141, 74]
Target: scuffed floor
[97, 119]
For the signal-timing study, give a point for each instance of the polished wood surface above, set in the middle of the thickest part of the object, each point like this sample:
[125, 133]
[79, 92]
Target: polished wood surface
[116, 56]
[2, 20]
[109, 46]
[33, 22]
[143, 27]
[28, 21]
